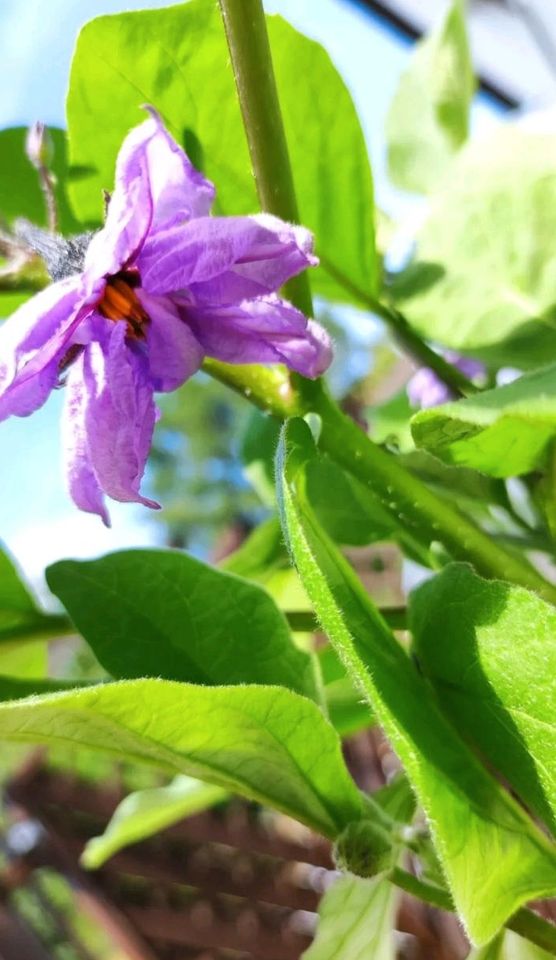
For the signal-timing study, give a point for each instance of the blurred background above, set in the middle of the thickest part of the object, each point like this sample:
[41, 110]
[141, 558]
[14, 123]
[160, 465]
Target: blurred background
[210, 470]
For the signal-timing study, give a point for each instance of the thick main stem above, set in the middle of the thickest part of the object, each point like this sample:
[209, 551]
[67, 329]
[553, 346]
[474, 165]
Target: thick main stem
[247, 35]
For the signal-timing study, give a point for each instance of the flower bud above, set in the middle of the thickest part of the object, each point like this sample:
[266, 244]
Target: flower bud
[365, 849]
[38, 145]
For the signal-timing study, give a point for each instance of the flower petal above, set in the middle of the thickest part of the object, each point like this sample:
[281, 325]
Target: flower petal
[120, 415]
[267, 330]
[174, 352]
[32, 343]
[179, 191]
[83, 486]
[223, 260]
[157, 187]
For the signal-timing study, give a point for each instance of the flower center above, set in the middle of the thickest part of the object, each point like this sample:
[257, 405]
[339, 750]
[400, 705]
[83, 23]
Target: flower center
[120, 302]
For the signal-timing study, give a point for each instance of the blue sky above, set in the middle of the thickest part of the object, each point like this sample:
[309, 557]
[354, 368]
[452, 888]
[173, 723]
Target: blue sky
[37, 521]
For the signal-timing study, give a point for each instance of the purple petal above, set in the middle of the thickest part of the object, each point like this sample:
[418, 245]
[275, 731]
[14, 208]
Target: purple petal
[268, 330]
[83, 486]
[156, 187]
[179, 191]
[426, 389]
[120, 415]
[174, 352]
[225, 259]
[32, 343]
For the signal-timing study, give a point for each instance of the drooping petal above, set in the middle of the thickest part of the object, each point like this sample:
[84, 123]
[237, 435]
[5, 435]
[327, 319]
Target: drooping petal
[223, 260]
[267, 330]
[83, 486]
[174, 352]
[33, 342]
[120, 414]
[156, 187]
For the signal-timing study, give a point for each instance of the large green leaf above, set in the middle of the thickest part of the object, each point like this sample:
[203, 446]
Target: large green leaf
[356, 919]
[503, 432]
[20, 618]
[428, 119]
[495, 858]
[489, 649]
[487, 248]
[165, 614]
[20, 191]
[265, 743]
[177, 60]
[145, 812]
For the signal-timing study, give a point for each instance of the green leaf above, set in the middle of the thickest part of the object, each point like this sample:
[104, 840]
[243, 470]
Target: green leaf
[265, 743]
[165, 614]
[11, 300]
[347, 708]
[20, 191]
[348, 510]
[494, 857]
[30, 681]
[356, 921]
[509, 946]
[145, 812]
[488, 245]
[20, 618]
[157, 57]
[258, 447]
[428, 120]
[502, 432]
[496, 676]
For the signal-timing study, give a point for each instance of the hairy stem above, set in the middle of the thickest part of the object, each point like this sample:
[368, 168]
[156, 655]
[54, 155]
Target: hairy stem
[407, 338]
[413, 502]
[524, 922]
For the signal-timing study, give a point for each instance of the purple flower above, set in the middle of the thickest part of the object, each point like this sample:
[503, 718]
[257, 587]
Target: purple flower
[162, 285]
[425, 389]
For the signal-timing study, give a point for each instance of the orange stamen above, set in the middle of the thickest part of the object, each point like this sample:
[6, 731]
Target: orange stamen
[120, 302]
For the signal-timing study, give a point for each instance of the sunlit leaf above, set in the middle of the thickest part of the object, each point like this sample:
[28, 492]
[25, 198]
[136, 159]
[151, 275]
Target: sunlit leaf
[503, 432]
[145, 812]
[177, 60]
[488, 244]
[265, 743]
[356, 919]
[428, 119]
[495, 677]
[494, 857]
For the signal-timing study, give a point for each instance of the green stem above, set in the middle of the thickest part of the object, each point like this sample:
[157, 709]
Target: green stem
[269, 388]
[526, 923]
[304, 621]
[247, 35]
[413, 502]
[408, 339]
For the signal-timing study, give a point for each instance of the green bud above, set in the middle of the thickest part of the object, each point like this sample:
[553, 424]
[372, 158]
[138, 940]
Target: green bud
[38, 146]
[365, 848]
